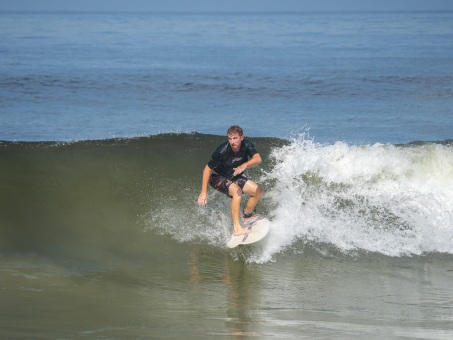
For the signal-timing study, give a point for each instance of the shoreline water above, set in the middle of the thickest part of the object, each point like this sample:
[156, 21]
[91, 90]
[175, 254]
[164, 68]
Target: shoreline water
[200, 292]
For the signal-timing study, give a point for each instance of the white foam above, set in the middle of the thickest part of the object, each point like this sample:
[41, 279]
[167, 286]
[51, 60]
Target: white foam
[379, 198]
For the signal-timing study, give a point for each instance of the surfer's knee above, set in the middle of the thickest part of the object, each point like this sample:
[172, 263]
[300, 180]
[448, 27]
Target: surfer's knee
[235, 191]
[259, 192]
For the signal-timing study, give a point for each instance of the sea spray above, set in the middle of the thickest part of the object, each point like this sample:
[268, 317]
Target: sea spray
[185, 222]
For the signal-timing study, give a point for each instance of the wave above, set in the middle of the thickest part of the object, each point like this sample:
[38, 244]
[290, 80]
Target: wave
[393, 200]
[122, 198]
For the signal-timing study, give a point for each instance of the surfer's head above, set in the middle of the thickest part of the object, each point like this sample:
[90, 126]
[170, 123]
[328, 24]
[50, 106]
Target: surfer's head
[235, 137]
[235, 129]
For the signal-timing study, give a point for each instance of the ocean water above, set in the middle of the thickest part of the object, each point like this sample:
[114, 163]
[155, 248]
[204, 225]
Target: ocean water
[360, 78]
[107, 120]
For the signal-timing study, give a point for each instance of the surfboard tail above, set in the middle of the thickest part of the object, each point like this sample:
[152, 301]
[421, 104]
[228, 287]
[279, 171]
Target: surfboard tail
[259, 230]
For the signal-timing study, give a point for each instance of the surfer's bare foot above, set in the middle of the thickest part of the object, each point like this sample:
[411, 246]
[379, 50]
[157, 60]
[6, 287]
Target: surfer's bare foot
[241, 231]
[251, 218]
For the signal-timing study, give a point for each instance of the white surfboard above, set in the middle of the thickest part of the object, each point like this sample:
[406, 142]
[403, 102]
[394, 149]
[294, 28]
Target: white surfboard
[259, 230]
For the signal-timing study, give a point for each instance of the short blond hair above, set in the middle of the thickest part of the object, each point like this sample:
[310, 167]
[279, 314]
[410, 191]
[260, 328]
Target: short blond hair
[235, 129]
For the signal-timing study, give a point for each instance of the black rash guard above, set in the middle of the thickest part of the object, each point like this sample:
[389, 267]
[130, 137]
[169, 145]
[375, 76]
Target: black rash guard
[223, 160]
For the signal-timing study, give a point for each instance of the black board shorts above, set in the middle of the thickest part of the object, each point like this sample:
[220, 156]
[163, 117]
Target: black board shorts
[222, 184]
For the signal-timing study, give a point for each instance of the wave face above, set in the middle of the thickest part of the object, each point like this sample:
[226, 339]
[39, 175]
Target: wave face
[132, 198]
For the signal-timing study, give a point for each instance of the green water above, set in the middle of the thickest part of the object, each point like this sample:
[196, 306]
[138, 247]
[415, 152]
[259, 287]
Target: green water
[104, 240]
[193, 291]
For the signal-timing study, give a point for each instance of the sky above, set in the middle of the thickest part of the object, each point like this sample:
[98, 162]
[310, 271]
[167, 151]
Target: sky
[226, 5]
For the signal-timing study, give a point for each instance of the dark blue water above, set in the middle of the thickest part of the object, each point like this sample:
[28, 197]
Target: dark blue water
[359, 78]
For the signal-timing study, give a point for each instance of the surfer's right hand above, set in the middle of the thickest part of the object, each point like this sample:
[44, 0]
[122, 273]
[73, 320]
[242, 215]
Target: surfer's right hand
[202, 199]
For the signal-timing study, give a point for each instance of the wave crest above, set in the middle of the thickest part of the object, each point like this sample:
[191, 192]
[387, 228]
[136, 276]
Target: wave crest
[394, 200]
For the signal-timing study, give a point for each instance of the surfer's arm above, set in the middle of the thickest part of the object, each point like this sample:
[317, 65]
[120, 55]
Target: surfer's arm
[203, 198]
[254, 161]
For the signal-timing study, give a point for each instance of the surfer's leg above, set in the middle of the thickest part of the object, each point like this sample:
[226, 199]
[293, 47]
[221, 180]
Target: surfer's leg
[255, 192]
[236, 194]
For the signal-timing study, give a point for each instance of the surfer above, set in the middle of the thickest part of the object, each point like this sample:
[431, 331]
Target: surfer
[224, 172]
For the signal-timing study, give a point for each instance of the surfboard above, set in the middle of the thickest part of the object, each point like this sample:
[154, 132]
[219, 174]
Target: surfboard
[259, 230]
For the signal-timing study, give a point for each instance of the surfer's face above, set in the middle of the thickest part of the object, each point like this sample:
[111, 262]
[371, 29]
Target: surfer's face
[235, 141]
